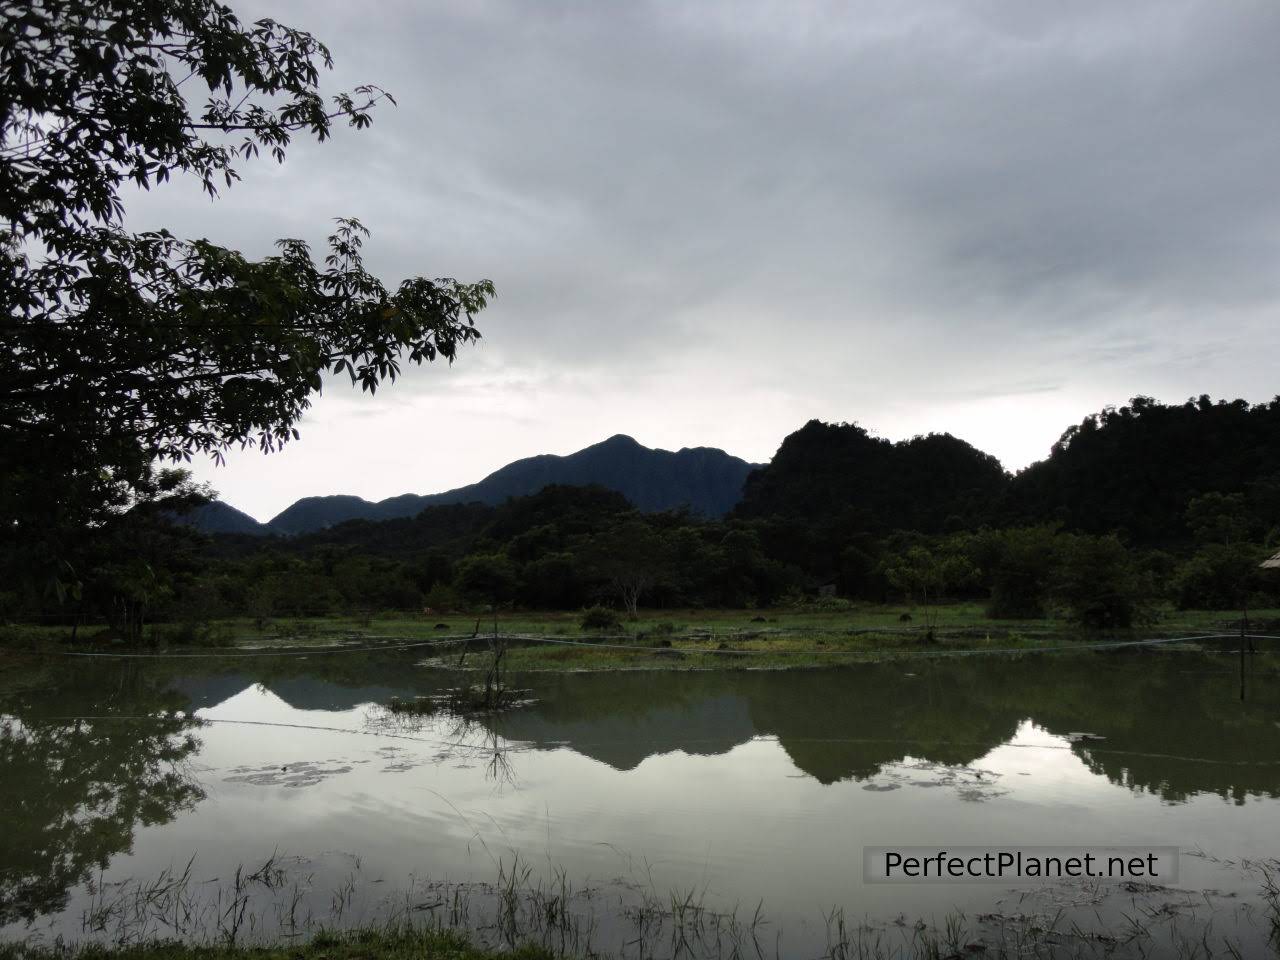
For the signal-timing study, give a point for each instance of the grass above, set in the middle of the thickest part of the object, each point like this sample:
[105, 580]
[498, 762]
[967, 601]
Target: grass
[665, 639]
[403, 944]
[522, 917]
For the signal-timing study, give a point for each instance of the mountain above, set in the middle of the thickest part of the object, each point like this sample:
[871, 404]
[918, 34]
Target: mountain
[827, 470]
[706, 480]
[219, 517]
[316, 513]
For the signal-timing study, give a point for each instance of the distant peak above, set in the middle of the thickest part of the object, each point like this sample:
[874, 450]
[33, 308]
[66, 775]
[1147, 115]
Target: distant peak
[619, 440]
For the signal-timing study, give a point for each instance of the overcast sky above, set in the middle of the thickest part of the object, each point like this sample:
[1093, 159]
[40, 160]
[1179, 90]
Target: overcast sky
[709, 222]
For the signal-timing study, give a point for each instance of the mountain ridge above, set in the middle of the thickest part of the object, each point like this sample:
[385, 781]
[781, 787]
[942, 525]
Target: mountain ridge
[707, 480]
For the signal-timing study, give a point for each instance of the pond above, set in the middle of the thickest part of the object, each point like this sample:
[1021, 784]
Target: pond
[636, 813]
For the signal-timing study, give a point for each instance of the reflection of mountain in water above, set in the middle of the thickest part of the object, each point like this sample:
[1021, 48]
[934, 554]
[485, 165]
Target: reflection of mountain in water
[301, 693]
[705, 726]
[1173, 723]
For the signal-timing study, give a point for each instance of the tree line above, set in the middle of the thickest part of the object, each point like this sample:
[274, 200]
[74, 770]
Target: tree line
[838, 514]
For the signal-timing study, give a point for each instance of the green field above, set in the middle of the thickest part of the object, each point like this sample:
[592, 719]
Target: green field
[657, 639]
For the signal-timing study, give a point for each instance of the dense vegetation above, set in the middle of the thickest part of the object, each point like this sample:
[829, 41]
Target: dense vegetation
[838, 515]
[122, 351]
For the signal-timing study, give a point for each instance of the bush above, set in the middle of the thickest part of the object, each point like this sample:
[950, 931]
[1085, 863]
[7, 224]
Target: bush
[600, 618]
[1020, 564]
[188, 632]
[1219, 577]
[442, 598]
[1099, 583]
[800, 601]
[487, 577]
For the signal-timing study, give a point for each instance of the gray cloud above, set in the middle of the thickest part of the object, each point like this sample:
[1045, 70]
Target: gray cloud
[709, 222]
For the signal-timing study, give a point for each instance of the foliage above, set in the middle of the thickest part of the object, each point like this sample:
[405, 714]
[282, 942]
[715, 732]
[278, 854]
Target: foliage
[442, 598]
[76, 792]
[1019, 565]
[633, 557]
[925, 575]
[121, 349]
[488, 577]
[600, 618]
[1220, 576]
[1133, 470]
[1218, 518]
[566, 548]
[1099, 583]
[841, 474]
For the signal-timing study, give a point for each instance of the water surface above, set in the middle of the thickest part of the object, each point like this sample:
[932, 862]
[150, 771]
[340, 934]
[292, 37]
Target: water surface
[729, 789]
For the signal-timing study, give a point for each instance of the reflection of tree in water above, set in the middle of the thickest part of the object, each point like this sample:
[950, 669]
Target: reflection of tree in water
[75, 790]
[1174, 724]
[1176, 728]
[461, 735]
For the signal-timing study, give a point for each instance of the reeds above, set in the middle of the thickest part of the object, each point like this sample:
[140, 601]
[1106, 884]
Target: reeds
[280, 900]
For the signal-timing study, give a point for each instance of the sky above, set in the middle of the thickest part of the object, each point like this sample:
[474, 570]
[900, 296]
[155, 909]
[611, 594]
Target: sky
[711, 222]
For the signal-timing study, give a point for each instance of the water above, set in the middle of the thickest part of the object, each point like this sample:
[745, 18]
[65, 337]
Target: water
[728, 789]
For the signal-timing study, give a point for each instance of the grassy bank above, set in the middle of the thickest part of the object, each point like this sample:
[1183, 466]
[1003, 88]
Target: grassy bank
[658, 639]
[410, 944]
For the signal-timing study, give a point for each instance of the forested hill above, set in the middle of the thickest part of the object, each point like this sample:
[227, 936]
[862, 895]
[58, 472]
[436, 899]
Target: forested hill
[706, 480]
[826, 471]
[1134, 470]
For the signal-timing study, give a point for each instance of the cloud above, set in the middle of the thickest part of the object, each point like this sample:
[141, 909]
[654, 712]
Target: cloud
[708, 222]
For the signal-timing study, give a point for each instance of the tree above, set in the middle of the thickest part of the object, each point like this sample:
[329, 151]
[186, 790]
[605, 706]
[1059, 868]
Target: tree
[1224, 570]
[924, 576]
[632, 557]
[487, 576]
[1220, 577]
[1218, 518]
[123, 349]
[1098, 581]
[1019, 564]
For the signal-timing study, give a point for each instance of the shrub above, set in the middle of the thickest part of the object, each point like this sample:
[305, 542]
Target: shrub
[1020, 566]
[1099, 583]
[488, 577]
[600, 618]
[442, 598]
[1219, 577]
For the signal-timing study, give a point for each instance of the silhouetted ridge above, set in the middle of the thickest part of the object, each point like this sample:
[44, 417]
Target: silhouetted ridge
[826, 470]
[706, 480]
[219, 517]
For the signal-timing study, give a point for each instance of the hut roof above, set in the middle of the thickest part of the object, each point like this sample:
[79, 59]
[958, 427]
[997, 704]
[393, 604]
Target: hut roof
[1272, 564]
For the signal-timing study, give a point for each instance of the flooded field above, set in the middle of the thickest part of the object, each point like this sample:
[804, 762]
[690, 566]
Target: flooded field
[638, 813]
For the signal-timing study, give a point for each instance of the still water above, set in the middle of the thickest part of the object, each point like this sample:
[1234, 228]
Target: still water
[258, 797]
